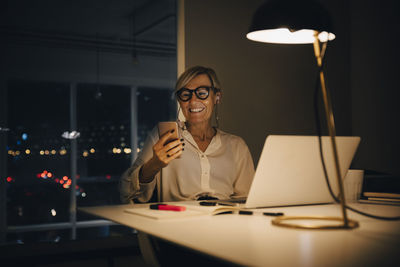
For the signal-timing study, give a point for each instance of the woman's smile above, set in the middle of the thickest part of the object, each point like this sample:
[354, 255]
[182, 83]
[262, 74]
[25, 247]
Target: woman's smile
[196, 110]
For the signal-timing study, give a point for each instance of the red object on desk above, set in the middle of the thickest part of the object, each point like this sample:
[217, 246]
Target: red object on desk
[167, 207]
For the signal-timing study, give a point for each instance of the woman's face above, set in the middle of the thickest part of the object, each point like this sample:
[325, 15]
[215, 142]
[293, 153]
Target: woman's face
[197, 110]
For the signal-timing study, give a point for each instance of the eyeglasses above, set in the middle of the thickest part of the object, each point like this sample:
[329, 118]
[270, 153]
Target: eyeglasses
[201, 92]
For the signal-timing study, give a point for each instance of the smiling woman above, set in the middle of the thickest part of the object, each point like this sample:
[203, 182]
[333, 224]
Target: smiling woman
[198, 110]
[204, 162]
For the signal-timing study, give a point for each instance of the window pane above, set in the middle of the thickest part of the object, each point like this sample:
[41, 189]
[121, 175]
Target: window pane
[104, 147]
[154, 105]
[38, 157]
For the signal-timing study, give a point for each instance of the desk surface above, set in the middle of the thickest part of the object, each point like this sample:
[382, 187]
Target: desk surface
[252, 240]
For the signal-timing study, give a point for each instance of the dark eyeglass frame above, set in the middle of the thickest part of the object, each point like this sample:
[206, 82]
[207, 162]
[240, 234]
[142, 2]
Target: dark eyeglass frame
[196, 91]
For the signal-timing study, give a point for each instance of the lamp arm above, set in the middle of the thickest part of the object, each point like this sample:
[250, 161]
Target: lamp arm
[331, 126]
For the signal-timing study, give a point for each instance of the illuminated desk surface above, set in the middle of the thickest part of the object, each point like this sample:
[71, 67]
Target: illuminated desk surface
[252, 240]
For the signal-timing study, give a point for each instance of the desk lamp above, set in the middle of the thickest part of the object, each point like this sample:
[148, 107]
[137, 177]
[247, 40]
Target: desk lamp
[303, 22]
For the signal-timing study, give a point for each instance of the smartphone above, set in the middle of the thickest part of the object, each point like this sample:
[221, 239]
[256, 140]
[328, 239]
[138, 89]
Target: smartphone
[166, 126]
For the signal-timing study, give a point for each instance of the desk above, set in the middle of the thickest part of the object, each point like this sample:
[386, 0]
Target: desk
[251, 240]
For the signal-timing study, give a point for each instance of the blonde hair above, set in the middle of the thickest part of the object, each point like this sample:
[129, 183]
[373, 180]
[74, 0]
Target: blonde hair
[192, 72]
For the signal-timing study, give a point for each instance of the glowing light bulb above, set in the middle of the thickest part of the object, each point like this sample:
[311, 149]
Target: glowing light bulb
[285, 36]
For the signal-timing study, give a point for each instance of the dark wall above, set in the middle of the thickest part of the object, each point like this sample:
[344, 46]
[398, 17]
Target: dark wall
[375, 30]
[267, 88]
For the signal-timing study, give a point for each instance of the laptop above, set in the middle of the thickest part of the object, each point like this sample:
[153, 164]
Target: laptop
[290, 171]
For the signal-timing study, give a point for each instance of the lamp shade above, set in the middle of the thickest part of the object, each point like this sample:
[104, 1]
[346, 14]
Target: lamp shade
[290, 22]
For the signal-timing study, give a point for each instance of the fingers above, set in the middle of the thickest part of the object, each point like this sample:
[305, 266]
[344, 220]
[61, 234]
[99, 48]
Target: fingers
[164, 157]
[174, 156]
[164, 154]
[172, 152]
[172, 144]
[164, 138]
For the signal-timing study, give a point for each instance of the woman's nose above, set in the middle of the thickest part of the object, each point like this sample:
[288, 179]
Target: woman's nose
[193, 98]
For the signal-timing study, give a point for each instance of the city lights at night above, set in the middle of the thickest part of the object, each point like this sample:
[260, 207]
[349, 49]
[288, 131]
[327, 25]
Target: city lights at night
[62, 152]
[39, 159]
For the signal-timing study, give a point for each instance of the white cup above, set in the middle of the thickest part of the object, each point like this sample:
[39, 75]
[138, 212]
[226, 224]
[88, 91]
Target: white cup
[352, 185]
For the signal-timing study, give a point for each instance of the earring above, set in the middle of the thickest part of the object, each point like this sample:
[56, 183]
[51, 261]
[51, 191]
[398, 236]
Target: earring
[216, 115]
[181, 124]
[177, 112]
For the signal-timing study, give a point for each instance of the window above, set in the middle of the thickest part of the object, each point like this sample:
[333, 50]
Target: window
[108, 72]
[154, 105]
[37, 155]
[104, 145]
[39, 180]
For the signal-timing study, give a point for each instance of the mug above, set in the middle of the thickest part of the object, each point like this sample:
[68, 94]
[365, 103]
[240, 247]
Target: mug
[352, 185]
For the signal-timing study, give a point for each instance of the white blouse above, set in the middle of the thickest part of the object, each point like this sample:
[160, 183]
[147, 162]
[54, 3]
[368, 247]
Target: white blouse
[225, 170]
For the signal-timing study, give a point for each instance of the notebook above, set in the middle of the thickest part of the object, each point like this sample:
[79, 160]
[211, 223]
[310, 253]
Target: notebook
[290, 172]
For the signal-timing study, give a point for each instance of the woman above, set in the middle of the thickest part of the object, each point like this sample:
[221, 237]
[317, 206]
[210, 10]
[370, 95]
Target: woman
[204, 163]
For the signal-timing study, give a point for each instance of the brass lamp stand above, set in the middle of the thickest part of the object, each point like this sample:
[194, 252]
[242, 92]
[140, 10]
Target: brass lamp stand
[346, 222]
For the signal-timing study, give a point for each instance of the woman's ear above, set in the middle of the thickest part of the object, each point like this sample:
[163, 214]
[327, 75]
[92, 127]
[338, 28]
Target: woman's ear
[218, 98]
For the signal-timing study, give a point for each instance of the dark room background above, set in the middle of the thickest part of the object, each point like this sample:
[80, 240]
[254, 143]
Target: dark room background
[106, 69]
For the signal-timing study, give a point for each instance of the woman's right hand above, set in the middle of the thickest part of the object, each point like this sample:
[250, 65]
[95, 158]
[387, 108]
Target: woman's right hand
[163, 153]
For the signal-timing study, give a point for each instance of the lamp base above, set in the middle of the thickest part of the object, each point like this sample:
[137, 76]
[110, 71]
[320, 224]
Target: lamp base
[281, 221]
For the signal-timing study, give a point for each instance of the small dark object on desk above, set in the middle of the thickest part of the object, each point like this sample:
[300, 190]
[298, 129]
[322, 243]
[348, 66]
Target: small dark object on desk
[224, 212]
[207, 198]
[205, 203]
[245, 212]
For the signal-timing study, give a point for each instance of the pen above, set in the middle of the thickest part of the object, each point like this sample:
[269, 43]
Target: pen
[167, 207]
[273, 213]
[248, 212]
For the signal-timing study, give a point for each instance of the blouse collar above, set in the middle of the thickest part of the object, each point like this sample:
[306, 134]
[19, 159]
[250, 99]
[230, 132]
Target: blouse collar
[213, 146]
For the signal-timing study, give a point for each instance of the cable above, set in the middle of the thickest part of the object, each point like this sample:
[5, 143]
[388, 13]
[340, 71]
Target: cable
[318, 126]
